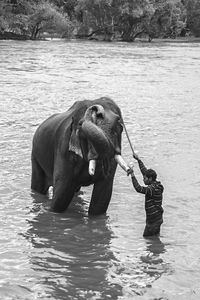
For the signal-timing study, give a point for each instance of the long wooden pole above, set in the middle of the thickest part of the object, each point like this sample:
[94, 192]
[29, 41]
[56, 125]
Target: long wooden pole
[128, 138]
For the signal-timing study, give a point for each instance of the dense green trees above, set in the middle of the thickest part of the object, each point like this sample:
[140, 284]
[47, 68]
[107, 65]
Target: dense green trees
[47, 18]
[110, 19]
[30, 18]
[168, 19]
[193, 16]
[131, 18]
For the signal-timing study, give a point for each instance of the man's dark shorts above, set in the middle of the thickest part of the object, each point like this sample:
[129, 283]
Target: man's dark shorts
[152, 228]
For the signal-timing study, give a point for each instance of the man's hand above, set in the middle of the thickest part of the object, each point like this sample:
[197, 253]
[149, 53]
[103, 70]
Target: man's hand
[129, 171]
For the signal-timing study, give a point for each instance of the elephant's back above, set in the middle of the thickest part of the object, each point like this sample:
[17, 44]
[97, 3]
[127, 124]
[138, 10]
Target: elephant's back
[49, 131]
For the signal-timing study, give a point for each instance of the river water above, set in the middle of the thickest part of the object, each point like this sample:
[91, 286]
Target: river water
[44, 255]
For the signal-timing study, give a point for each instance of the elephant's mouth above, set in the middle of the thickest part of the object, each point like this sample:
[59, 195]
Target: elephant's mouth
[95, 143]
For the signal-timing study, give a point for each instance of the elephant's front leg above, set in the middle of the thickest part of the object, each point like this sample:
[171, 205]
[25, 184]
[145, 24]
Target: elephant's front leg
[63, 187]
[101, 195]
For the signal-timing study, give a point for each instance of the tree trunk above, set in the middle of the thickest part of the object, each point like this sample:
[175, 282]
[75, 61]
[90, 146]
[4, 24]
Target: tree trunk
[35, 32]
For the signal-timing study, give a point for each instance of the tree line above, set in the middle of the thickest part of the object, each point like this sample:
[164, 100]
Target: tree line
[124, 20]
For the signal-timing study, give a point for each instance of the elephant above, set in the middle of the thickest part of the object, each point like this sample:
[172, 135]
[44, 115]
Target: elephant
[75, 148]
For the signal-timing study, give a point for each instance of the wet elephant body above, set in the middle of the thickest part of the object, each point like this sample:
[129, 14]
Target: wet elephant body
[78, 148]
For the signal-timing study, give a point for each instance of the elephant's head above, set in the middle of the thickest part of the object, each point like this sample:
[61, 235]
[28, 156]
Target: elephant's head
[99, 132]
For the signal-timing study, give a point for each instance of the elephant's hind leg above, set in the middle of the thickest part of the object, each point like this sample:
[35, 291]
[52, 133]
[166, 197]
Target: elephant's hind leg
[39, 182]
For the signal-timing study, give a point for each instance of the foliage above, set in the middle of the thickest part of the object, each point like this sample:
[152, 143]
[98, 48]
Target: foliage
[131, 18]
[168, 20]
[95, 16]
[121, 19]
[112, 17]
[33, 17]
[68, 6]
[193, 16]
[13, 17]
[46, 17]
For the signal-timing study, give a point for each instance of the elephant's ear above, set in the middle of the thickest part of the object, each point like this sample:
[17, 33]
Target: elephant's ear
[74, 144]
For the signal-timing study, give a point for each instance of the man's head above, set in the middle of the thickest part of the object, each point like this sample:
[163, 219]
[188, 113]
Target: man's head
[149, 177]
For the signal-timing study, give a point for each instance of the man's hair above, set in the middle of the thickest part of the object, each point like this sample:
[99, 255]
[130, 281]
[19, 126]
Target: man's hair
[151, 173]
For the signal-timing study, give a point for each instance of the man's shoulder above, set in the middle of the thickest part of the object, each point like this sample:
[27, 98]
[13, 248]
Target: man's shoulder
[157, 185]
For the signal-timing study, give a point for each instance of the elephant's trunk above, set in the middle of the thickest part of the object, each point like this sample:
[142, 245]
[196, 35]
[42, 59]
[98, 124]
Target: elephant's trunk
[99, 144]
[96, 137]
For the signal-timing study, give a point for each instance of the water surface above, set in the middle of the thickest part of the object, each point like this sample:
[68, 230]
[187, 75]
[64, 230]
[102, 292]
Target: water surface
[44, 255]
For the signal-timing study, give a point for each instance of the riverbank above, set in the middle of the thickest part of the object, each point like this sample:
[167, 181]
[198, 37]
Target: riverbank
[14, 36]
[189, 39]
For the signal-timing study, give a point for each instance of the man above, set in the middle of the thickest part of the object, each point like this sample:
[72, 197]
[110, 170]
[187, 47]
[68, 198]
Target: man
[153, 197]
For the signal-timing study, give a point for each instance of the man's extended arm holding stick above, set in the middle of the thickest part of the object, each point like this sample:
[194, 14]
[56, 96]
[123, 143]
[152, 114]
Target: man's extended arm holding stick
[153, 191]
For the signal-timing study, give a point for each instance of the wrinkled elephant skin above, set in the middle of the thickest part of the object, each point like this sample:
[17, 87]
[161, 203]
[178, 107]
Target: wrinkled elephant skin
[77, 148]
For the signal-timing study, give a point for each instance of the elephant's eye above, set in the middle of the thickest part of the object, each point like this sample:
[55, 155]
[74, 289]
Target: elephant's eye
[80, 122]
[120, 126]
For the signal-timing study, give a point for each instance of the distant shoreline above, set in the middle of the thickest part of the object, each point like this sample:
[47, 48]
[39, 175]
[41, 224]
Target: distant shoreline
[17, 37]
[177, 40]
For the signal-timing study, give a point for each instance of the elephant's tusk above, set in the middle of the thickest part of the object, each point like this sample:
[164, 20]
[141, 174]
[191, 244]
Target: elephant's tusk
[92, 167]
[119, 159]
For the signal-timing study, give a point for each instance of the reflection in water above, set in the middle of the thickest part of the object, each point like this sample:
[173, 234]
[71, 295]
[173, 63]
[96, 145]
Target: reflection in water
[71, 253]
[138, 272]
[153, 263]
[72, 256]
